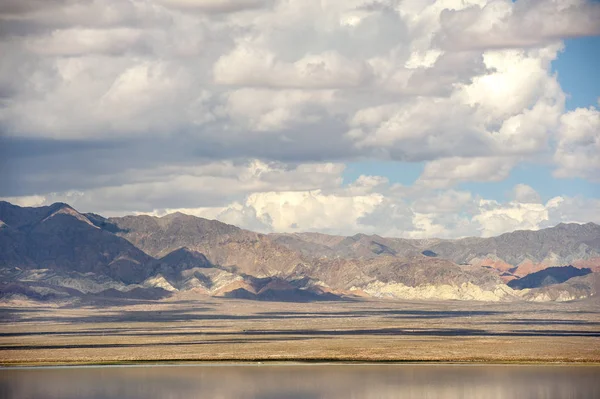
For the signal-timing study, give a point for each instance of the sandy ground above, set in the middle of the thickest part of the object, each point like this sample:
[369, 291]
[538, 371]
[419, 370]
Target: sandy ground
[211, 329]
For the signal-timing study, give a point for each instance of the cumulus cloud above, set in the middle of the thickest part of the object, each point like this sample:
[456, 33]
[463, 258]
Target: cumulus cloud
[525, 194]
[192, 186]
[495, 218]
[247, 110]
[74, 42]
[275, 110]
[258, 67]
[501, 24]
[578, 149]
[511, 108]
[216, 6]
[27, 200]
[259, 197]
[14, 8]
[449, 171]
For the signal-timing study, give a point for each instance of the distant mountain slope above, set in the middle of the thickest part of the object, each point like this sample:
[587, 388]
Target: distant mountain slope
[55, 252]
[280, 290]
[527, 251]
[356, 246]
[549, 276]
[583, 287]
[419, 277]
[517, 254]
[58, 237]
[222, 244]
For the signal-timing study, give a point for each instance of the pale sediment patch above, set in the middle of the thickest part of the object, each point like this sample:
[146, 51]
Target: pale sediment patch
[465, 291]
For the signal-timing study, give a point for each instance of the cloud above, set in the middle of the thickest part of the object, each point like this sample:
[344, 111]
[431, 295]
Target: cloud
[27, 201]
[449, 171]
[578, 147]
[314, 211]
[525, 194]
[311, 197]
[247, 66]
[248, 110]
[495, 218]
[502, 24]
[510, 108]
[276, 110]
[193, 186]
[73, 42]
[445, 214]
[92, 95]
[216, 6]
[15, 8]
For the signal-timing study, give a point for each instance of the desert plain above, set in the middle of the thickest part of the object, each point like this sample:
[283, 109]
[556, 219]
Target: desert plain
[186, 328]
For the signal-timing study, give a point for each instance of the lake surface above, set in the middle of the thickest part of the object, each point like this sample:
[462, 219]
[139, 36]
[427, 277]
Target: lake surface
[303, 381]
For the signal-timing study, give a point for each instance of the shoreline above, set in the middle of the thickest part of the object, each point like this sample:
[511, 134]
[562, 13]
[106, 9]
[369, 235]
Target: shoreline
[292, 362]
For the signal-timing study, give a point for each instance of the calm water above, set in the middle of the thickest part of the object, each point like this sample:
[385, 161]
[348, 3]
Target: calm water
[310, 381]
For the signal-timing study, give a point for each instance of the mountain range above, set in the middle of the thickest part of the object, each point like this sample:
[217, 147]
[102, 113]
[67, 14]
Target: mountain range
[57, 253]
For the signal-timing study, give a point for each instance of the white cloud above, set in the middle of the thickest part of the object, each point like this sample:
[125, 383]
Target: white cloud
[444, 202]
[26, 200]
[315, 211]
[578, 149]
[75, 41]
[449, 171]
[573, 210]
[276, 110]
[445, 214]
[247, 110]
[244, 195]
[496, 218]
[525, 194]
[215, 6]
[151, 70]
[256, 67]
[511, 106]
[194, 186]
[503, 23]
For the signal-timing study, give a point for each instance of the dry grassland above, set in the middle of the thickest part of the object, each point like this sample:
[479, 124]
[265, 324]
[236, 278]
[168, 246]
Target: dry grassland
[212, 329]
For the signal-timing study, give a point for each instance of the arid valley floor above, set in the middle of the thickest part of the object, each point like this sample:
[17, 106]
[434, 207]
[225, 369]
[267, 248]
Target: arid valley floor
[212, 329]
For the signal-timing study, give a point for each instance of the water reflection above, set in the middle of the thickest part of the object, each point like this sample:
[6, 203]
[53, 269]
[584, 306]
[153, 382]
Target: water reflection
[307, 382]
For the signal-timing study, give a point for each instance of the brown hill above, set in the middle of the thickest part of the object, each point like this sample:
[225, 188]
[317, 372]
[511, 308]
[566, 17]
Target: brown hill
[58, 246]
[226, 245]
[58, 237]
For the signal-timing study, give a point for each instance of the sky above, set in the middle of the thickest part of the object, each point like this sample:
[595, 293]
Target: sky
[404, 118]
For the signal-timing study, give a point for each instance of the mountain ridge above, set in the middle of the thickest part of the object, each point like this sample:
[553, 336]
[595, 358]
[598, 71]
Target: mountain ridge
[179, 252]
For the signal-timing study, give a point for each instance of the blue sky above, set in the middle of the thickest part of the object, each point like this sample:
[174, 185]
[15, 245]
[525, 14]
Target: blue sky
[577, 67]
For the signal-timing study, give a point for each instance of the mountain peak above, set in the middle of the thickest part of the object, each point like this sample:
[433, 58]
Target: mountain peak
[186, 258]
[184, 252]
[60, 208]
[575, 224]
[178, 215]
[60, 205]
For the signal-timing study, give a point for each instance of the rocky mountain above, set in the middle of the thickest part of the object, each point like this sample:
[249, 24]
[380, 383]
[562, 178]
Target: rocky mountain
[524, 252]
[419, 277]
[59, 238]
[512, 255]
[227, 245]
[584, 287]
[56, 252]
[357, 246]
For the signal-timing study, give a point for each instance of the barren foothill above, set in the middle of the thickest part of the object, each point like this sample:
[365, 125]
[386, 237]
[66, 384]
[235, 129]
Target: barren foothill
[185, 328]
